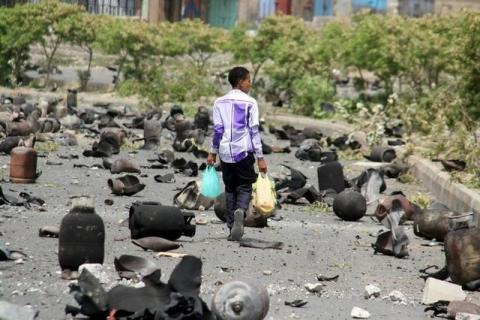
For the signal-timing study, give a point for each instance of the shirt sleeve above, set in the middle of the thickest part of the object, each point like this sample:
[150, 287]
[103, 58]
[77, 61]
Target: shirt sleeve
[254, 125]
[218, 129]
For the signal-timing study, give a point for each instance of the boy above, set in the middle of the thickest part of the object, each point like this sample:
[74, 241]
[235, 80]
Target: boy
[236, 138]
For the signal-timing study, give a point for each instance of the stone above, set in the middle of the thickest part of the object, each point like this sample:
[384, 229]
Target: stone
[10, 311]
[201, 221]
[397, 297]
[314, 287]
[372, 291]
[359, 313]
[96, 270]
[436, 290]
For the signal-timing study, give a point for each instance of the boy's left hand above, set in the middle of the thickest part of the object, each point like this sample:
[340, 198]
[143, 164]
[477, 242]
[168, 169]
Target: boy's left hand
[212, 158]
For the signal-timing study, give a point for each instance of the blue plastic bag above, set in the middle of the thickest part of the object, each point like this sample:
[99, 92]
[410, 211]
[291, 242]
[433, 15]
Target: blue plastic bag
[210, 184]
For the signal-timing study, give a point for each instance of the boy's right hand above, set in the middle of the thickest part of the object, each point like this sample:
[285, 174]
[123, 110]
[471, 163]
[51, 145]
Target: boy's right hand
[211, 159]
[262, 165]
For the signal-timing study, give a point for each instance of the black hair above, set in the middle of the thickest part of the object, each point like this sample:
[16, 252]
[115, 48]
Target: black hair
[236, 75]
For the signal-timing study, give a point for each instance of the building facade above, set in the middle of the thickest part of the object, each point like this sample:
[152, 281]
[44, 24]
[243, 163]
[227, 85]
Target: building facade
[227, 13]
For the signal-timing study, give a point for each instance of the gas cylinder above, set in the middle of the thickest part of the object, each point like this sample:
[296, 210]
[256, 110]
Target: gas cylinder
[240, 300]
[152, 219]
[433, 223]
[350, 205]
[82, 235]
[330, 176]
[462, 249]
[71, 98]
[23, 165]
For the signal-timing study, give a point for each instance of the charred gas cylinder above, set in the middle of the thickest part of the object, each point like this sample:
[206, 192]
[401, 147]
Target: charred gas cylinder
[462, 249]
[23, 165]
[71, 98]
[151, 219]
[82, 235]
[330, 176]
[240, 300]
[433, 223]
[350, 205]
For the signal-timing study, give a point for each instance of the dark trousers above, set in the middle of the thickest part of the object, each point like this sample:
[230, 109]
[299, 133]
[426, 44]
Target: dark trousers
[238, 179]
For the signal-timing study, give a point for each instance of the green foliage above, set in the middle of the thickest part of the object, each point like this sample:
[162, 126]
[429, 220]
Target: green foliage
[167, 41]
[17, 33]
[48, 147]
[329, 44]
[376, 43]
[245, 47]
[52, 26]
[407, 178]
[310, 92]
[161, 85]
[199, 41]
[469, 63]
[288, 44]
[83, 32]
[421, 199]
[318, 206]
[133, 42]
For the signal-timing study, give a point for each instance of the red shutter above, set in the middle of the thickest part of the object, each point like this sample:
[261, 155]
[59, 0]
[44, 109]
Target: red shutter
[283, 6]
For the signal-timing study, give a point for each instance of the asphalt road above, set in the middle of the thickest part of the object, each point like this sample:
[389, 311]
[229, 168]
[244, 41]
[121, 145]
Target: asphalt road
[315, 243]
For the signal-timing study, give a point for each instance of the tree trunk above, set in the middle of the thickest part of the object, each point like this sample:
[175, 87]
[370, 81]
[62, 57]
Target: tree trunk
[256, 69]
[120, 66]
[90, 58]
[50, 61]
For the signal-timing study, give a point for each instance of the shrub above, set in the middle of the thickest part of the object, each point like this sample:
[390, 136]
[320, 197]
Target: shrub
[51, 25]
[17, 34]
[199, 41]
[132, 41]
[310, 93]
[161, 86]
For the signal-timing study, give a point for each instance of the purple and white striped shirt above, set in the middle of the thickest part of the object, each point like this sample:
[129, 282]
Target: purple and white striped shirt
[235, 125]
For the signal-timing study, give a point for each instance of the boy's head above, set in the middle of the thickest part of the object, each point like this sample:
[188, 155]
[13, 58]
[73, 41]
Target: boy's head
[239, 78]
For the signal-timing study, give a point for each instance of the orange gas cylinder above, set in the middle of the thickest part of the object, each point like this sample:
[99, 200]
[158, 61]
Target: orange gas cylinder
[23, 165]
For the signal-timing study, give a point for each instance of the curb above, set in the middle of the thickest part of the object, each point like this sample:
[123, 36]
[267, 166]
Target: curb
[328, 126]
[454, 195]
[86, 97]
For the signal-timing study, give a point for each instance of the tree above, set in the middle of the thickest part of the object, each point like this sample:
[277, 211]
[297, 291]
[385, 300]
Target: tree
[50, 20]
[132, 41]
[17, 34]
[167, 42]
[329, 45]
[200, 41]
[468, 55]
[375, 44]
[288, 44]
[428, 50]
[244, 47]
[83, 32]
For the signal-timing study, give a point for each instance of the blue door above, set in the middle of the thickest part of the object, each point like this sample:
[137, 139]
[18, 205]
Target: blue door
[191, 9]
[374, 5]
[266, 8]
[322, 8]
[222, 13]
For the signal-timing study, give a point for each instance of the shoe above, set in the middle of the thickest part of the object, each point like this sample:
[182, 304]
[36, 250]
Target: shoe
[237, 228]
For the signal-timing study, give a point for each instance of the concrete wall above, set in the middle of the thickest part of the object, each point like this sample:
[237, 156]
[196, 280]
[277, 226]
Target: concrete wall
[248, 10]
[392, 7]
[443, 7]
[303, 9]
[342, 8]
[156, 12]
